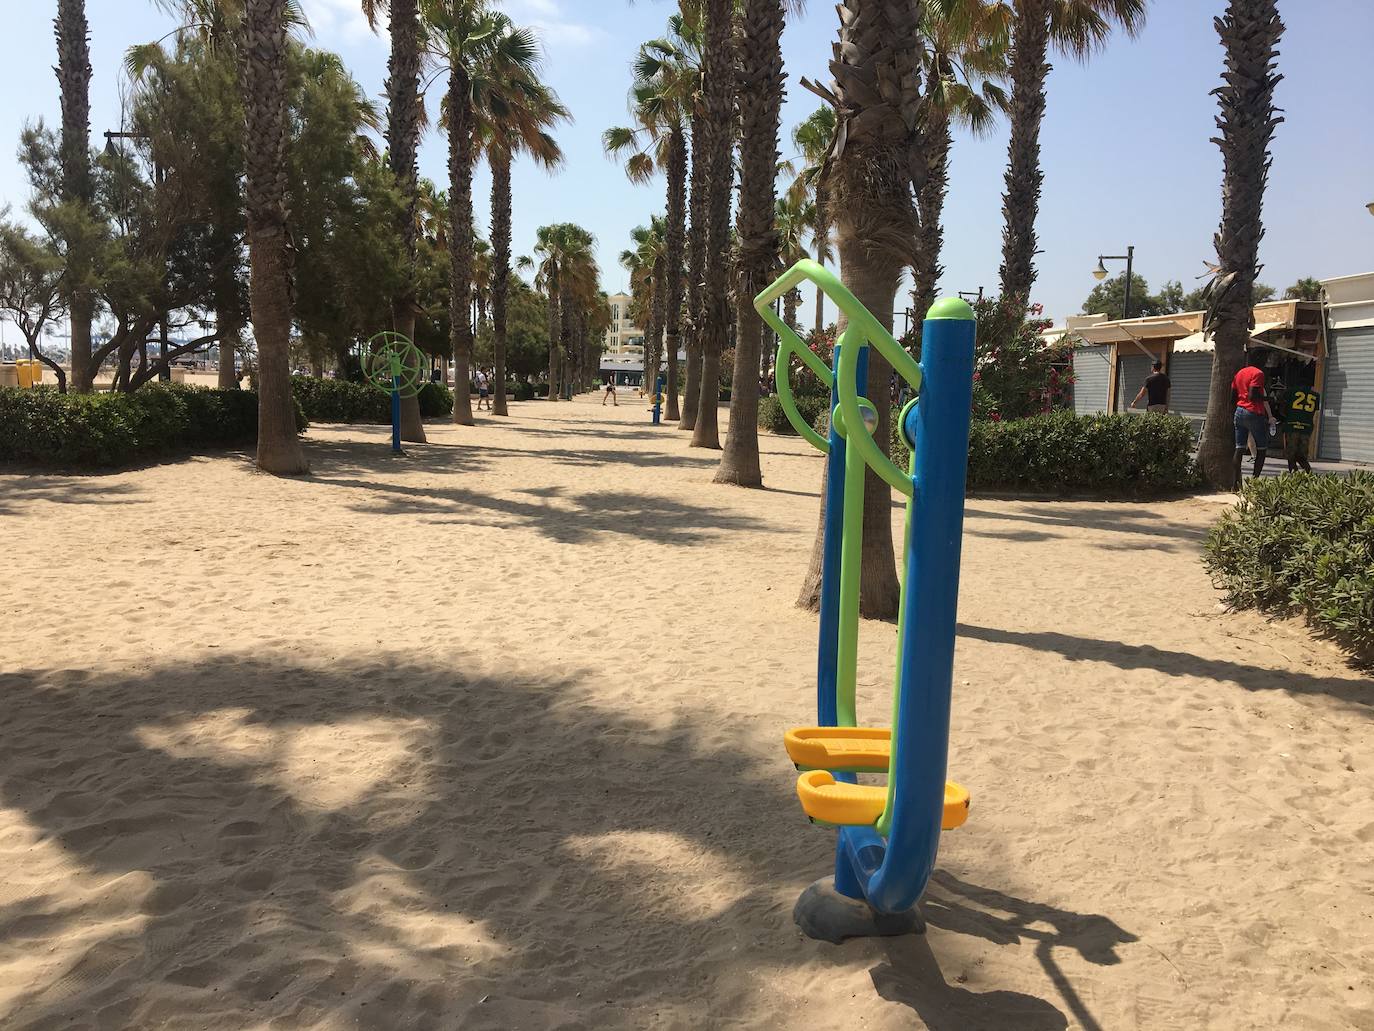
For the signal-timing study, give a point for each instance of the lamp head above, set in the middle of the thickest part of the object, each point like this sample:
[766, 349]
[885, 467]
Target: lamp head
[1100, 273]
[1370, 206]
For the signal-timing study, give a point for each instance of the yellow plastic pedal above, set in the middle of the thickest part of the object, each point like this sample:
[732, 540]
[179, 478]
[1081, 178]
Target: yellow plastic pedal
[828, 801]
[852, 749]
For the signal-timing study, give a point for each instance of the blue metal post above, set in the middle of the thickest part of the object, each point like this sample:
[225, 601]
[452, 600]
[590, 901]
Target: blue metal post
[658, 400]
[940, 426]
[396, 414]
[827, 654]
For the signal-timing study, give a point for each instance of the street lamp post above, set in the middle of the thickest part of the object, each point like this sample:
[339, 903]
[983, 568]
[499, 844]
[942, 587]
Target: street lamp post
[1100, 273]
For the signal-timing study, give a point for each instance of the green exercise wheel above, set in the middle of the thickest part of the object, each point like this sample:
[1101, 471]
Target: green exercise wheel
[393, 362]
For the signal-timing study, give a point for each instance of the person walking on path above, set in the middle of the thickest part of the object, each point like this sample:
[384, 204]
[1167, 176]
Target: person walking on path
[610, 393]
[1156, 389]
[1300, 407]
[1253, 416]
[483, 390]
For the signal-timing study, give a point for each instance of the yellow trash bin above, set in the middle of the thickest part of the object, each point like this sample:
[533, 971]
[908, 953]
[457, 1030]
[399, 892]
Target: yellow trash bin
[25, 373]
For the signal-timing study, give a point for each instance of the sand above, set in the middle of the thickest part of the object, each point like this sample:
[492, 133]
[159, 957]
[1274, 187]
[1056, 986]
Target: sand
[490, 737]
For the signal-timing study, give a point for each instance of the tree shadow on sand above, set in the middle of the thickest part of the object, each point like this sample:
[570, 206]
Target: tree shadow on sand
[1356, 692]
[963, 908]
[401, 844]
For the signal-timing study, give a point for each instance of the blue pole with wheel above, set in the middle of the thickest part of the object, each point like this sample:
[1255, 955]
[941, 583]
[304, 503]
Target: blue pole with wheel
[396, 414]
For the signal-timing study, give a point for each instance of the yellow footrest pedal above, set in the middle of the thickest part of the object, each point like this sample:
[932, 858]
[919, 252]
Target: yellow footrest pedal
[829, 801]
[851, 749]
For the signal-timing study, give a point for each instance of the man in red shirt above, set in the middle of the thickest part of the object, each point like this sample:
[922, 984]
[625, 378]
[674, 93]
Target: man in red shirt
[1254, 417]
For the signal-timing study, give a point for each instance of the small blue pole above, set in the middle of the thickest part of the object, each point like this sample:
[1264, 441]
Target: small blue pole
[658, 400]
[396, 414]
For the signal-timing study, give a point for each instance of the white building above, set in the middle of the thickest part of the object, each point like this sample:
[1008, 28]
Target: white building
[623, 337]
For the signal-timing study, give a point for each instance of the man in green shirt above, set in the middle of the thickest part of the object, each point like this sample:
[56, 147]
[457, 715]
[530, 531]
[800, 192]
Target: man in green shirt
[1300, 408]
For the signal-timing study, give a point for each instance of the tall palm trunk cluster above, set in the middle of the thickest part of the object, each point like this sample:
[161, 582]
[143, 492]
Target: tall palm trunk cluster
[262, 56]
[1250, 31]
[402, 141]
[760, 93]
[74, 82]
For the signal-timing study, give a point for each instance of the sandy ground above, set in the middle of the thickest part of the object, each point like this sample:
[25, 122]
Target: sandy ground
[490, 737]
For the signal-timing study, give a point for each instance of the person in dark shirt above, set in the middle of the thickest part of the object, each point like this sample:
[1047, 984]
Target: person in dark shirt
[1156, 390]
[1300, 406]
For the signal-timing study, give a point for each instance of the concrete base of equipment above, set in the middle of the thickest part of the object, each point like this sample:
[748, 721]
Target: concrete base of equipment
[826, 915]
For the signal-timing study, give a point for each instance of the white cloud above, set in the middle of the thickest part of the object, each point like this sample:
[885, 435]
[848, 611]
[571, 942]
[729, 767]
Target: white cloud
[556, 30]
[334, 21]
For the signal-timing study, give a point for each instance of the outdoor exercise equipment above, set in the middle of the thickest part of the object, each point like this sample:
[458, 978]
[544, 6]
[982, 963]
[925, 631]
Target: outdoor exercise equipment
[658, 401]
[888, 836]
[394, 364]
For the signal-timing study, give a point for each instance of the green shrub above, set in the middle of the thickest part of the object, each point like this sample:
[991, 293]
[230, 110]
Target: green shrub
[1064, 453]
[774, 419]
[102, 430]
[436, 400]
[338, 400]
[1302, 543]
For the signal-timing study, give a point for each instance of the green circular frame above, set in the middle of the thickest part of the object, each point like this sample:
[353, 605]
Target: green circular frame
[391, 359]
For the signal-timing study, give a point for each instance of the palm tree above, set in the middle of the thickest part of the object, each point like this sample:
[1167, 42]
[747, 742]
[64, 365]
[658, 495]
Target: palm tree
[262, 51]
[759, 88]
[713, 138]
[647, 264]
[813, 138]
[514, 117]
[566, 252]
[965, 62]
[78, 188]
[404, 118]
[480, 47]
[1250, 31]
[794, 216]
[666, 84]
[870, 175]
[1077, 28]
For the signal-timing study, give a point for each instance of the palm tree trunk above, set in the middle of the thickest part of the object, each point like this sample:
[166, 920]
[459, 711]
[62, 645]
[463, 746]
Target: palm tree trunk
[566, 312]
[676, 218]
[760, 92]
[696, 251]
[822, 246]
[872, 180]
[653, 350]
[228, 377]
[930, 240]
[1021, 202]
[500, 271]
[263, 82]
[402, 139]
[717, 129]
[460, 237]
[1250, 31]
[790, 300]
[555, 324]
[74, 83]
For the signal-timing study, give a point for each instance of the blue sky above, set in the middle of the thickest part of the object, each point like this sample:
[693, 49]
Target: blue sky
[1125, 144]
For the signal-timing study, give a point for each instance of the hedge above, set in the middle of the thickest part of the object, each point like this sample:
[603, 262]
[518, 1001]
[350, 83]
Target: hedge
[774, 419]
[338, 400]
[1302, 543]
[1063, 453]
[1056, 453]
[103, 430]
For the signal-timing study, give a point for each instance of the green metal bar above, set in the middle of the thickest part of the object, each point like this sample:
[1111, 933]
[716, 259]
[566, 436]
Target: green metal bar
[869, 330]
[884, 824]
[851, 557]
[789, 344]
